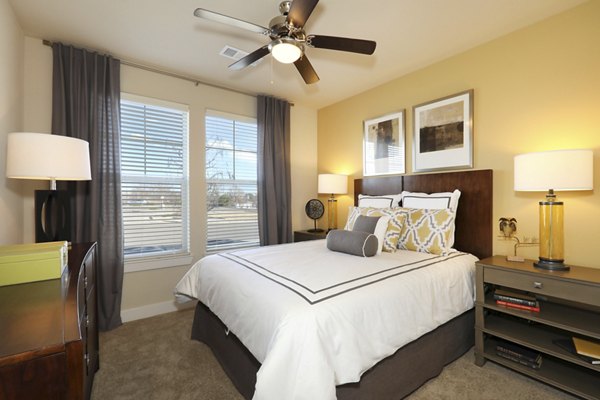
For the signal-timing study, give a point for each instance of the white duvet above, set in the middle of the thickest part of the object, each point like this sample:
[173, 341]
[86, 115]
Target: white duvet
[315, 318]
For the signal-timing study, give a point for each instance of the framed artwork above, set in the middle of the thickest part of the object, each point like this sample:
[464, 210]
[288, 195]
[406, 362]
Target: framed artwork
[443, 133]
[383, 145]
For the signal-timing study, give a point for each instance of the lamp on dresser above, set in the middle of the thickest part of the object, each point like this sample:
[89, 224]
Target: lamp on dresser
[53, 158]
[332, 184]
[561, 170]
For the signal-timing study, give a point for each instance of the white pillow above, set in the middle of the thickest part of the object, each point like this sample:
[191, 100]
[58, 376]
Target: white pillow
[380, 230]
[383, 201]
[433, 201]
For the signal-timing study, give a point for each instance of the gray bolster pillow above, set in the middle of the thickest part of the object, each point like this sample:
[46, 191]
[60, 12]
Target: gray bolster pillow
[357, 243]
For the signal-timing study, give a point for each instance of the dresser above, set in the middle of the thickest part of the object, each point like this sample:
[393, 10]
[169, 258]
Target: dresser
[49, 333]
[569, 306]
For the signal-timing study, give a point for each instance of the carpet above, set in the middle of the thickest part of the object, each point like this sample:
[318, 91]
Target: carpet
[155, 358]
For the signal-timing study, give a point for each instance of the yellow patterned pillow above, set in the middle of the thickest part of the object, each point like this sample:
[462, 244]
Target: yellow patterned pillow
[427, 231]
[392, 234]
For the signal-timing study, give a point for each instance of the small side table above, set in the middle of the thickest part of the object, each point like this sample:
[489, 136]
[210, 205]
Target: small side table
[301, 236]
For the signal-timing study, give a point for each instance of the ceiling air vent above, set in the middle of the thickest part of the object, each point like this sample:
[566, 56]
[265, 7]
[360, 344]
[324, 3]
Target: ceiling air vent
[235, 54]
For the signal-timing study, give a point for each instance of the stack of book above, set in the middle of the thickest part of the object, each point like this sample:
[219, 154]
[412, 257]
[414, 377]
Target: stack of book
[518, 300]
[522, 355]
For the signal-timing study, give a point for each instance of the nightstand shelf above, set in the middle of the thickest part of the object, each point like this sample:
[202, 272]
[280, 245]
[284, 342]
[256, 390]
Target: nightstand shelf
[569, 306]
[557, 315]
[573, 379]
[534, 336]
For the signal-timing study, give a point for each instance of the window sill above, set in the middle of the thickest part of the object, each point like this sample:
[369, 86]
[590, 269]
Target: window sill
[138, 264]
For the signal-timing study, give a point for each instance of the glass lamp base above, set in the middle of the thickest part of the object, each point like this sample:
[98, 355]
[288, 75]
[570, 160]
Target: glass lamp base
[551, 265]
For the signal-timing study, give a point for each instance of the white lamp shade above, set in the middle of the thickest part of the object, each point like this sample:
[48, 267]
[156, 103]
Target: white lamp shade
[558, 170]
[47, 157]
[333, 183]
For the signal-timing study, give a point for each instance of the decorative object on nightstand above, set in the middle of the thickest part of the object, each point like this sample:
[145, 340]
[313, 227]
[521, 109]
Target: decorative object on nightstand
[314, 210]
[562, 170]
[332, 184]
[508, 227]
[53, 158]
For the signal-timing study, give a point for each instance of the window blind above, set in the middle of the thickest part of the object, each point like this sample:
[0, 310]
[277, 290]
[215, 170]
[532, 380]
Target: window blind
[154, 175]
[231, 183]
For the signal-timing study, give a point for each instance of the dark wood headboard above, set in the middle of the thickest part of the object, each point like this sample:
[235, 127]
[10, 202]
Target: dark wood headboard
[474, 228]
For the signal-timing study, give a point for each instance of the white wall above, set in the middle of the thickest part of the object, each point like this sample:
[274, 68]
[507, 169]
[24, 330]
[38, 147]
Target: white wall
[147, 292]
[11, 114]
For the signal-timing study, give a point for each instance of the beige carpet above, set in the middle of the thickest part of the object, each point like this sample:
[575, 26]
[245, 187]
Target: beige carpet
[154, 358]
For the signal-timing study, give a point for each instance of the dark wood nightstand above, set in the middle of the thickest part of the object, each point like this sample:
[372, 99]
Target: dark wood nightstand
[569, 303]
[301, 236]
[49, 333]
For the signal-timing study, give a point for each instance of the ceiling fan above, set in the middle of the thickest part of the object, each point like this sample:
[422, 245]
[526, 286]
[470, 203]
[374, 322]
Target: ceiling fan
[288, 38]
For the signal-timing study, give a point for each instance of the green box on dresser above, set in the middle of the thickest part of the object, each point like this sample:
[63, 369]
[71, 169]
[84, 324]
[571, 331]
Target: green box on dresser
[49, 333]
[569, 306]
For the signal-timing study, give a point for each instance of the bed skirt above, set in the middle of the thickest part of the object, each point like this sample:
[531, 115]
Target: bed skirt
[392, 378]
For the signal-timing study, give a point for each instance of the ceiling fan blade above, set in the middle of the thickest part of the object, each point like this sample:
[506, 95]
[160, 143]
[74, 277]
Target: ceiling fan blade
[224, 19]
[342, 44]
[300, 10]
[306, 70]
[250, 58]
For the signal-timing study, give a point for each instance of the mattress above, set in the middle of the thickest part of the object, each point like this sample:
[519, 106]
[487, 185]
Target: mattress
[315, 318]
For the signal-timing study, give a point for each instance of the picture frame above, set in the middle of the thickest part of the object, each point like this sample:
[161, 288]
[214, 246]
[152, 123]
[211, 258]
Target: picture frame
[443, 133]
[384, 150]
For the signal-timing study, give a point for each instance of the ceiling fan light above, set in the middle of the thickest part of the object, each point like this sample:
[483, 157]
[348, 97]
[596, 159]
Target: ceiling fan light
[286, 51]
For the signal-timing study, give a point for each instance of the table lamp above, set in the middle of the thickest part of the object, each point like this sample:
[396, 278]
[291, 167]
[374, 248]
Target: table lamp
[562, 170]
[332, 184]
[54, 158]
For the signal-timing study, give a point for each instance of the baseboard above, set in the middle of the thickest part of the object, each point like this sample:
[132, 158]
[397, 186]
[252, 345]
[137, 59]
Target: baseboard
[150, 310]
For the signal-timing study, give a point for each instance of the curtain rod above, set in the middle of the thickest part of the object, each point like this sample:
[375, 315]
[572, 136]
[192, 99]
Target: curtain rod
[171, 74]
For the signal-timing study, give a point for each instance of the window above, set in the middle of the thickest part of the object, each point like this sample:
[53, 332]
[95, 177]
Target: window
[154, 174]
[231, 188]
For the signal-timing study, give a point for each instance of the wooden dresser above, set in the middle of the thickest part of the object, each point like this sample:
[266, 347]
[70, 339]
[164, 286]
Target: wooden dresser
[49, 333]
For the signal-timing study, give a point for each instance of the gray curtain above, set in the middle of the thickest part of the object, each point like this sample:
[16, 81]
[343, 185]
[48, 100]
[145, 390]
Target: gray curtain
[274, 182]
[86, 94]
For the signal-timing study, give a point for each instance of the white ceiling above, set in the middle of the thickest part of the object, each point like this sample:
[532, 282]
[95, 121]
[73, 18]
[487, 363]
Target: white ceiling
[410, 34]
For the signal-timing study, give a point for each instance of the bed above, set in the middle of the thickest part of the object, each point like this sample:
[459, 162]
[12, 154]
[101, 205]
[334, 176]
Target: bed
[305, 317]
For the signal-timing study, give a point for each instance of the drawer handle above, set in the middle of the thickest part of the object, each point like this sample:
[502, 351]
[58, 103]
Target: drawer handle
[538, 285]
[87, 321]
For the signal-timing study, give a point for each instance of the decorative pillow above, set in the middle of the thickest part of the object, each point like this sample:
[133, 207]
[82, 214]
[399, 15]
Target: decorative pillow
[375, 225]
[365, 224]
[353, 213]
[353, 242]
[384, 201]
[392, 234]
[427, 231]
[433, 201]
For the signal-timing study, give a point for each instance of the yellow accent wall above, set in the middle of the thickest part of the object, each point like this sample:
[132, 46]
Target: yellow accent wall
[535, 89]
[11, 120]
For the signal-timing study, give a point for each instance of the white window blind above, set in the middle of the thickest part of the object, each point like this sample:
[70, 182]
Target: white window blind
[231, 188]
[154, 175]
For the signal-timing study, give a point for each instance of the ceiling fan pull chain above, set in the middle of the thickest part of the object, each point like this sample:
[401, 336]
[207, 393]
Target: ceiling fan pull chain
[271, 70]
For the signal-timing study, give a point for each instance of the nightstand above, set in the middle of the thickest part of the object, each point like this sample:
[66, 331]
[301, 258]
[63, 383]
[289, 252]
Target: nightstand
[569, 303]
[301, 236]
